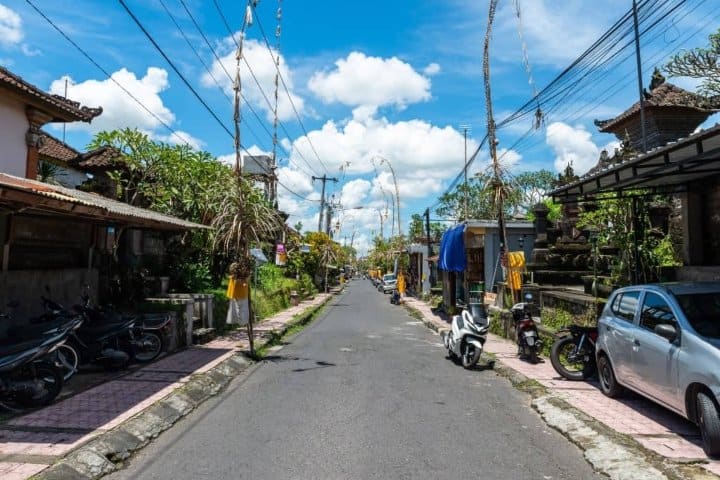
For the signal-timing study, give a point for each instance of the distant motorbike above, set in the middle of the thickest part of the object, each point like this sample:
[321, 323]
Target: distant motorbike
[528, 339]
[573, 352]
[467, 336]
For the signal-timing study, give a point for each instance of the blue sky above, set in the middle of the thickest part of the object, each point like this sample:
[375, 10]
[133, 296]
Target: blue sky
[368, 80]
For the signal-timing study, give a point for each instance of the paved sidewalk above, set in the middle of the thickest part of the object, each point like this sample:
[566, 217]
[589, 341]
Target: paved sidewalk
[32, 442]
[651, 425]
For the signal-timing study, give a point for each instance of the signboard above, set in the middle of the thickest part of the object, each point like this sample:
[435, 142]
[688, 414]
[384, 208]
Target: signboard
[490, 298]
[257, 165]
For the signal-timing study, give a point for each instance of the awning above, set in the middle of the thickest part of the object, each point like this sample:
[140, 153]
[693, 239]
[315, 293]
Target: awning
[452, 250]
[666, 169]
[21, 194]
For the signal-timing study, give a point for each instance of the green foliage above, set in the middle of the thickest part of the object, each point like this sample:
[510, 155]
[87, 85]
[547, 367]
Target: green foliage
[520, 193]
[556, 318]
[270, 277]
[191, 276]
[614, 222]
[49, 172]
[702, 63]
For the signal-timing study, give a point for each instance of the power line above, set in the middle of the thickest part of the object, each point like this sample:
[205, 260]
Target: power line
[205, 65]
[262, 91]
[107, 74]
[287, 91]
[177, 71]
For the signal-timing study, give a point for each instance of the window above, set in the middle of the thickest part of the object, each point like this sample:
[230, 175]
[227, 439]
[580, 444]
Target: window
[656, 311]
[702, 311]
[625, 305]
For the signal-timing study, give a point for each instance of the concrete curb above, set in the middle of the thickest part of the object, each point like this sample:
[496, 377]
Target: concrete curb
[609, 452]
[105, 453]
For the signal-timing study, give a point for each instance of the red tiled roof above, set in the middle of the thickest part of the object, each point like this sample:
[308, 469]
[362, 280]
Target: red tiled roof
[103, 157]
[664, 95]
[63, 110]
[57, 149]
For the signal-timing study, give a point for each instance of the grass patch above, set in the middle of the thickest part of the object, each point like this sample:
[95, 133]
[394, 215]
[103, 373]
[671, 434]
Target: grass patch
[295, 326]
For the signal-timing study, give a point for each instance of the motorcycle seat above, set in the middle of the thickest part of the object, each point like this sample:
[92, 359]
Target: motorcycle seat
[581, 329]
[105, 328]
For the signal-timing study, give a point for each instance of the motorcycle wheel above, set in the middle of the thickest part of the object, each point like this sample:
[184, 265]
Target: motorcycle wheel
[68, 357]
[572, 370]
[532, 355]
[51, 378]
[470, 355]
[147, 347]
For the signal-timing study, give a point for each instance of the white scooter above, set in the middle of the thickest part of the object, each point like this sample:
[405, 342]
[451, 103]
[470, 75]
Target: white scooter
[467, 336]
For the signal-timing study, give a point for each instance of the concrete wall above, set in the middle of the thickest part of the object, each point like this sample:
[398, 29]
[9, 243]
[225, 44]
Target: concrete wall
[13, 126]
[27, 286]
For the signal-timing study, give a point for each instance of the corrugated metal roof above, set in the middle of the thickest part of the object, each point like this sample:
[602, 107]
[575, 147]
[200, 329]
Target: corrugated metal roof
[106, 207]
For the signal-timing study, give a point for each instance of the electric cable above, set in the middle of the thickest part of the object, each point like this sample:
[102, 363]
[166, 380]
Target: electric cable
[107, 74]
[177, 71]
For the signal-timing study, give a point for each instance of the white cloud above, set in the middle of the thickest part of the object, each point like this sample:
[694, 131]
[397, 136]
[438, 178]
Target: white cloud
[360, 80]
[119, 110]
[179, 138]
[572, 145]
[258, 56]
[432, 69]
[354, 193]
[10, 27]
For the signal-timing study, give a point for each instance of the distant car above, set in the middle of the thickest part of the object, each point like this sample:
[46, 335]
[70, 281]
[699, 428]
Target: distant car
[663, 342]
[389, 283]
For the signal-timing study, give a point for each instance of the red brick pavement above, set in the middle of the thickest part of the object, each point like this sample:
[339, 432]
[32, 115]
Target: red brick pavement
[653, 426]
[28, 443]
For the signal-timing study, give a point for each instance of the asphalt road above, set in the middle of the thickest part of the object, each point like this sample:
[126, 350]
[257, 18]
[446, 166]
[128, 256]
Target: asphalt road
[364, 392]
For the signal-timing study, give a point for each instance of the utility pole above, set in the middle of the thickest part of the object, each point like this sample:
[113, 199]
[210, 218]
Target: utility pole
[639, 73]
[328, 218]
[324, 179]
[465, 128]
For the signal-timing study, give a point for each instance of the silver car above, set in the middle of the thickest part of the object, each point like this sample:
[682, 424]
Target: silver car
[663, 342]
[389, 283]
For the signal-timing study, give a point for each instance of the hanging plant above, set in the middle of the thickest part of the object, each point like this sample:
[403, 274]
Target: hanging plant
[242, 267]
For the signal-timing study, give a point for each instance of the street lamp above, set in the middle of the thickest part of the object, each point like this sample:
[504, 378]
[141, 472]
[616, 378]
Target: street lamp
[397, 190]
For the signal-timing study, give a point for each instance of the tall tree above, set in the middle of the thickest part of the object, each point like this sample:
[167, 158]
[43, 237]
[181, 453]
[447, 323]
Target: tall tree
[702, 63]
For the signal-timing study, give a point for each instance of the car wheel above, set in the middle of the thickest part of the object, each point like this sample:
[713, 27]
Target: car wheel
[709, 424]
[608, 383]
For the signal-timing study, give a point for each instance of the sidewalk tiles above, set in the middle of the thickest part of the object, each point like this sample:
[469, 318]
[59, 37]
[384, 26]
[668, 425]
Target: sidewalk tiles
[651, 425]
[30, 443]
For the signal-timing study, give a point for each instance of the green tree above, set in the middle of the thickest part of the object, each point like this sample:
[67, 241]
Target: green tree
[701, 63]
[521, 193]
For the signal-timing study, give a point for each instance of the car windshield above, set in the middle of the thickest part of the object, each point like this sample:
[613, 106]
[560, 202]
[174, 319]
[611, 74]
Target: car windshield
[388, 278]
[702, 311]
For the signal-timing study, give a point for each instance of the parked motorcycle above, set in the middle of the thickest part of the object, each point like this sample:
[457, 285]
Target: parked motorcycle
[573, 352]
[28, 375]
[144, 340]
[93, 342]
[528, 339]
[467, 335]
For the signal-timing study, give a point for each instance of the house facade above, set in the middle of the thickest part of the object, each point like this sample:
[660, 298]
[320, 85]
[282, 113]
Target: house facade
[53, 236]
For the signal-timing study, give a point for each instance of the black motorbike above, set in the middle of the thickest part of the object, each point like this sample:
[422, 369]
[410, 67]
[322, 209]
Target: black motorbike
[528, 339]
[143, 340]
[573, 352]
[95, 342]
[29, 376]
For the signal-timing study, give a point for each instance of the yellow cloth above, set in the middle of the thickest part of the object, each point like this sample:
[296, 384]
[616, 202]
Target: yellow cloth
[237, 289]
[401, 284]
[516, 263]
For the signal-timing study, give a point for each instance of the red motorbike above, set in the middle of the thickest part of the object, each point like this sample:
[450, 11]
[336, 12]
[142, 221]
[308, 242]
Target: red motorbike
[528, 338]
